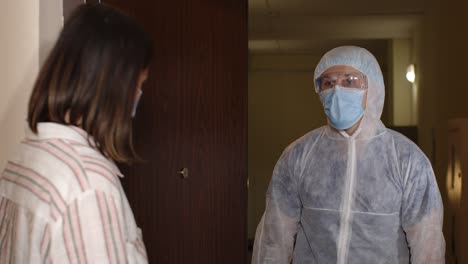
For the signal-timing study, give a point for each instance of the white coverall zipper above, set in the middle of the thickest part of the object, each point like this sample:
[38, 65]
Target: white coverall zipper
[345, 232]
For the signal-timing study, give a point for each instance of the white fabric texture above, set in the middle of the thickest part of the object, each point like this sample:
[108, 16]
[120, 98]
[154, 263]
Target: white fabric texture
[367, 198]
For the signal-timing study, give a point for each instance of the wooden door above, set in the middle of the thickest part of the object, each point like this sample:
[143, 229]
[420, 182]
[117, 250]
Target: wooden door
[193, 114]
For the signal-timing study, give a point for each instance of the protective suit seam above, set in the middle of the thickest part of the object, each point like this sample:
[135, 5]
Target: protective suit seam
[322, 209]
[352, 211]
[370, 213]
[400, 171]
[403, 178]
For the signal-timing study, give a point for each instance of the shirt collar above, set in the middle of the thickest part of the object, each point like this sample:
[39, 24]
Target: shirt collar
[57, 131]
[49, 130]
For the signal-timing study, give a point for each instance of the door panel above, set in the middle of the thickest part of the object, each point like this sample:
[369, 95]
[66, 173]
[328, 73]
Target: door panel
[193, 114]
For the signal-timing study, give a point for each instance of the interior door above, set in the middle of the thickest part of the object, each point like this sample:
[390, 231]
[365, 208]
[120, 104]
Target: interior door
[193, 115]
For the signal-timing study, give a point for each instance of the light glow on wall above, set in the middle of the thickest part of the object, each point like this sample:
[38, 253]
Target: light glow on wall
[410, 74]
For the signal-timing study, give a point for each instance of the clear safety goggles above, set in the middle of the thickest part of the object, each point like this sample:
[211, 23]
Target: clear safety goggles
[356, 80]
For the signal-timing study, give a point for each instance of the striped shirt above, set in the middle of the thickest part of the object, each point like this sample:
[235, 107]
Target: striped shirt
[61, 201]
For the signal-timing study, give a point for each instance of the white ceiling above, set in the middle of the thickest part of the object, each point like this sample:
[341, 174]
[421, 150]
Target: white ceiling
[314, 26]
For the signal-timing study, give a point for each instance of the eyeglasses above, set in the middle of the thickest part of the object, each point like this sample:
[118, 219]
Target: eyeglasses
[356, 80]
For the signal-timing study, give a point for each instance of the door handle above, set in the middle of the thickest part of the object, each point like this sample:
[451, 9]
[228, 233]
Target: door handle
[184, 173]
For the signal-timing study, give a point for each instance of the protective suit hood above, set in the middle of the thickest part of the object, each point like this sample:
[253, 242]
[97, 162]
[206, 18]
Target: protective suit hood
[363, 61]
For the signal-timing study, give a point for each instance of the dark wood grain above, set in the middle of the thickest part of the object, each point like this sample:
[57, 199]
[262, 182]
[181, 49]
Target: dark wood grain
[193, 114]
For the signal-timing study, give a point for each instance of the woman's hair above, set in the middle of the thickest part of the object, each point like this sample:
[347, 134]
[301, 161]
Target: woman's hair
[90, 77]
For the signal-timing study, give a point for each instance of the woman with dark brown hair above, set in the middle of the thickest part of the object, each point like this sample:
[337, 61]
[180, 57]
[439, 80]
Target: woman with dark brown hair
[61, 200]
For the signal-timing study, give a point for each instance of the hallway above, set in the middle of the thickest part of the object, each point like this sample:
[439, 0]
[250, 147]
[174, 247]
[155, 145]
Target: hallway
[286, 40]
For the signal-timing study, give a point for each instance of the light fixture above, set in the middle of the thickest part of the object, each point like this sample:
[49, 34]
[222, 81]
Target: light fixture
[410, 74]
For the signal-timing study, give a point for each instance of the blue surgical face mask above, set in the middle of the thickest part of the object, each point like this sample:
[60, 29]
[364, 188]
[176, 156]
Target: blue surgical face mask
[137, 101]
[343, 106]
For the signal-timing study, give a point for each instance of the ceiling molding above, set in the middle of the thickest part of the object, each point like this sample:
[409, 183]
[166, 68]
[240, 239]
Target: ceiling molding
[336, 7]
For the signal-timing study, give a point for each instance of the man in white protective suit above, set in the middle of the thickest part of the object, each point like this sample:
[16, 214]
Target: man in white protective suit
[352, 191]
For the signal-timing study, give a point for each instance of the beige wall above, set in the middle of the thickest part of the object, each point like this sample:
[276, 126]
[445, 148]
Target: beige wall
[283, 106]
[19, 46]
[26, 28]
[443, 54]
[50, 24]
[402, 89]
